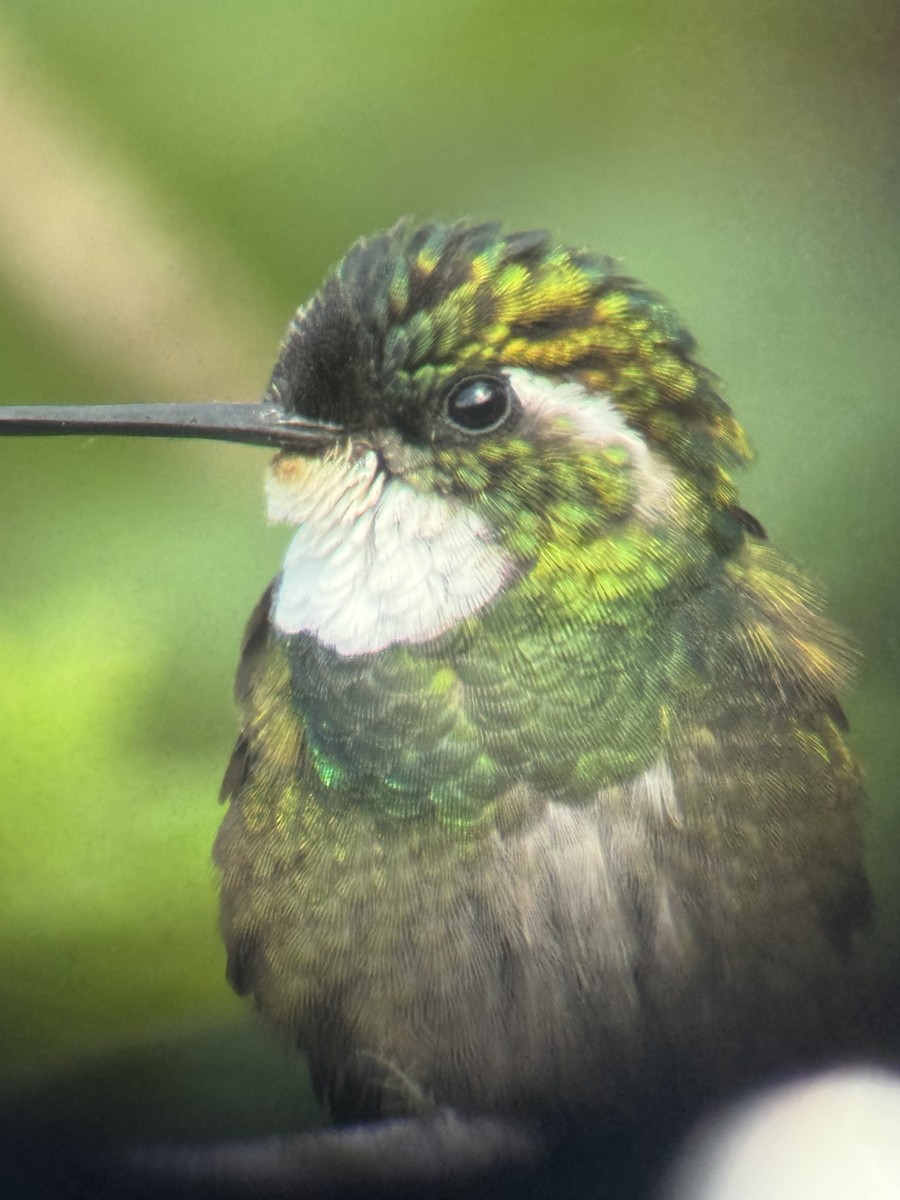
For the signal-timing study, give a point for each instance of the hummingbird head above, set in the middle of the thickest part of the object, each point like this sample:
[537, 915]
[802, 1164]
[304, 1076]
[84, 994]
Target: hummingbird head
[515, 413]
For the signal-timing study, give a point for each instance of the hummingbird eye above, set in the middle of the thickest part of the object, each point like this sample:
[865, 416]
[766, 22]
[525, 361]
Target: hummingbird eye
[479, 405]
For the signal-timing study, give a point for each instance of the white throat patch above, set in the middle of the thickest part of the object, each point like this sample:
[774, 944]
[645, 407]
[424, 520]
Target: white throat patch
[374, 562]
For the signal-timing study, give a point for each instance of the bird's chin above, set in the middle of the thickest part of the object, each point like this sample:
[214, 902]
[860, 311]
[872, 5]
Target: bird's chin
[341, 484]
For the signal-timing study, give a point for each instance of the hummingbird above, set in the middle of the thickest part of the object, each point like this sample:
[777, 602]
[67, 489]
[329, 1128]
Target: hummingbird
[542, 805]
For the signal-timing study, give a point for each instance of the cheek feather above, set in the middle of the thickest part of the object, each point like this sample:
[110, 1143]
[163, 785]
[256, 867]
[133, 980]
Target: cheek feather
[376, 562]
[594, 419]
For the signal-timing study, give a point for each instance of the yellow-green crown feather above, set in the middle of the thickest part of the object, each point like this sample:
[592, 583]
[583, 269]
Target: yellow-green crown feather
[408, 309]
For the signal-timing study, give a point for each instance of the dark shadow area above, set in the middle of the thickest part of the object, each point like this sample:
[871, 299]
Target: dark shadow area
[79, 1134]
[62, 1135]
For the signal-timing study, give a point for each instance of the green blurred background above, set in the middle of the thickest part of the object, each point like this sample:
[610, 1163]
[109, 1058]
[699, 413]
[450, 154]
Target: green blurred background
[174, 180]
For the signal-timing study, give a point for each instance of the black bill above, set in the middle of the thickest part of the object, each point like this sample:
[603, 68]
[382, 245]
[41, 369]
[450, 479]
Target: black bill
[256, 424]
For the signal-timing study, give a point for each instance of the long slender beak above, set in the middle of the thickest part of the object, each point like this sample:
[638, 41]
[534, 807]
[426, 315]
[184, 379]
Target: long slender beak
[257, 424]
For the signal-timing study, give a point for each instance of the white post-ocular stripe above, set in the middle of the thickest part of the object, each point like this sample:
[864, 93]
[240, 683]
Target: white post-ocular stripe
[594, 418]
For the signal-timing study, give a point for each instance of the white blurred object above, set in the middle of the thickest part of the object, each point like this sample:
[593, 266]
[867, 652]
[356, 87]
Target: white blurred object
[833, 1135]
